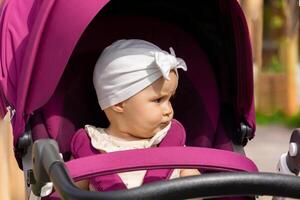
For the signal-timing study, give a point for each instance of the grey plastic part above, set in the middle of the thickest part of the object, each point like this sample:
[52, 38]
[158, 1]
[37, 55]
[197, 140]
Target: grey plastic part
[45, 153]
[293, 156]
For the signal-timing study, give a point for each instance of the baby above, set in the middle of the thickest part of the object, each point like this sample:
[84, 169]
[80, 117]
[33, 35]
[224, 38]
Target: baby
[134, 81]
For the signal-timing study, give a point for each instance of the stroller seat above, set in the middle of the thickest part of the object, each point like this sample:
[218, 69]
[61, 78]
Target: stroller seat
[74, 102]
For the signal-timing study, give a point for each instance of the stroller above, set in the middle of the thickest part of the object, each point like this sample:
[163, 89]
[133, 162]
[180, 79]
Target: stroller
[48, 50]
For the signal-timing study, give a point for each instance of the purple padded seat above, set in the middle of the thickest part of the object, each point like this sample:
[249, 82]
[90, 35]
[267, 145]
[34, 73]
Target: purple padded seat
[74, 102]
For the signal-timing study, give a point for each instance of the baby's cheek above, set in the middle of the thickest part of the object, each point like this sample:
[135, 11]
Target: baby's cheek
[154, 119]
[157, 115]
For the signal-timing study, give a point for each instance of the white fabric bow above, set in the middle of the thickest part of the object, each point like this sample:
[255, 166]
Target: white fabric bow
[166, 62]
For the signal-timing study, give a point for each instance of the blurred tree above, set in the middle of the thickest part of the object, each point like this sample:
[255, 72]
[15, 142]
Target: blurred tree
[273, 28]
[253, 10]
[275, 84]
[274, 31]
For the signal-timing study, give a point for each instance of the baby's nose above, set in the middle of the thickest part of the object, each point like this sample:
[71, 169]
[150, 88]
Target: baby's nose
[168, 113]
[168, 110]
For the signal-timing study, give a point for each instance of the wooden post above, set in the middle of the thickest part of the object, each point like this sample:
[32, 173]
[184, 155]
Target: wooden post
[289, 57]
[253, 10]
[289, 54]
[4, 154]
[11, 177]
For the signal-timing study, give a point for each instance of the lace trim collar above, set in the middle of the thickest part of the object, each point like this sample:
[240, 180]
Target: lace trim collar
[102, 141]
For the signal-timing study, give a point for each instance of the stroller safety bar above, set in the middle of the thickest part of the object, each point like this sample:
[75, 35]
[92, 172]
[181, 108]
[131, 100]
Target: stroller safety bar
[48, 165]
[171, 157]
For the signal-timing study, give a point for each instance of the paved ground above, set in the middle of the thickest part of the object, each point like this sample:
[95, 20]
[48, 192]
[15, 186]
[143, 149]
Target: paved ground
[265, 149]
[267, 146]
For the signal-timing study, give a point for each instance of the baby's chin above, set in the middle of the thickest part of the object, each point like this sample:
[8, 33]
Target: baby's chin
[159, 128]
[150, 133]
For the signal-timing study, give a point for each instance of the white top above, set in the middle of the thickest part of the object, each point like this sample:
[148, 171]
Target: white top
[104, 142]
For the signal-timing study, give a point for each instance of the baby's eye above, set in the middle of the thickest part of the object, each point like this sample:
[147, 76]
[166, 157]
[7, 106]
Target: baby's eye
[158, 100]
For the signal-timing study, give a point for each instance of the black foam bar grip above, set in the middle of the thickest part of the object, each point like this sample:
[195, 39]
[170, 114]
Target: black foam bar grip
[205, 186]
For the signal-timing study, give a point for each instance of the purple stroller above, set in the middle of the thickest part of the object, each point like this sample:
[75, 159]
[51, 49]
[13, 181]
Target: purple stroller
[48, 50]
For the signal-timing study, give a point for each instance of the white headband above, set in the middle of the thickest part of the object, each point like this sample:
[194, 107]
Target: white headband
[128, 66]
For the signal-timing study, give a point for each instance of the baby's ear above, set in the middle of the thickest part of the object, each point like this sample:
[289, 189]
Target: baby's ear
[119, 108]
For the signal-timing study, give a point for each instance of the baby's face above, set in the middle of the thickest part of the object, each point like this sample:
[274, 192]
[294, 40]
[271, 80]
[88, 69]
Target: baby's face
[150, 110]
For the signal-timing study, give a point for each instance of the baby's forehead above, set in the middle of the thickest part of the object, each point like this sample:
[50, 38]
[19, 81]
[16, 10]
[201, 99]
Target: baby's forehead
[163, 86]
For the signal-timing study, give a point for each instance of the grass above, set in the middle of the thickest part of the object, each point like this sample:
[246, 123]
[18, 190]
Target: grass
[278, 118]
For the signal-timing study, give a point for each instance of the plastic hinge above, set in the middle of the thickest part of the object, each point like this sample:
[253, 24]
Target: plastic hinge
[243, 134]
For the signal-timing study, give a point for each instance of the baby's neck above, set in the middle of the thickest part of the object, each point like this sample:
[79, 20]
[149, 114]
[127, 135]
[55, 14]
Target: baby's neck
[114, 131]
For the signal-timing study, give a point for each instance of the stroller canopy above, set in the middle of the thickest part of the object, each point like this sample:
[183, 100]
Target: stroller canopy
[38, 38]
